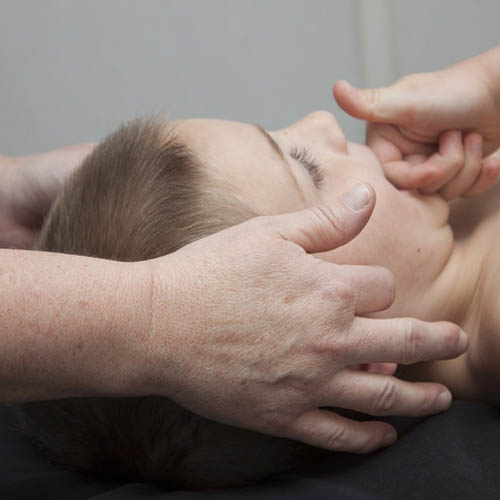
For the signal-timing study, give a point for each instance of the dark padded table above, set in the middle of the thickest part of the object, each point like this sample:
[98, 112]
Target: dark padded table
[453, 455]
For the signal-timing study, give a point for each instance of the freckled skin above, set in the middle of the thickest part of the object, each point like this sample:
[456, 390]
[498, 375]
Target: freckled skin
[388, 239]
[408, 233]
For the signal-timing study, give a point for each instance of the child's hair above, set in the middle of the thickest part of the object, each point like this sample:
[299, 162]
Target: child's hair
[142, 194]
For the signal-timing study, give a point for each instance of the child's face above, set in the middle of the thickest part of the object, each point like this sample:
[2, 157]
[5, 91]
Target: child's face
[407, 233]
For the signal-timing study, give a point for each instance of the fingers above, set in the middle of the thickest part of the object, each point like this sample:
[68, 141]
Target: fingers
[457, 169]
[490, 168]
[404, 341]
[408, 175]
[389, 143]
[374, 287]
[383, 105]
[326, 227]
[449, 160]
[60, 163]
[402, 160]
[380, 368]
[462, 170]
[379, 395]
[466, 177]
[328, 430]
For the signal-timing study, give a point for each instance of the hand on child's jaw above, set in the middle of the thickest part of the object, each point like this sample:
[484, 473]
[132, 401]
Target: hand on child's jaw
[408, 233]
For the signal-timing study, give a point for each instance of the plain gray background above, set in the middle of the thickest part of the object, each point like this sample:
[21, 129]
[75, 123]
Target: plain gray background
[71, 71]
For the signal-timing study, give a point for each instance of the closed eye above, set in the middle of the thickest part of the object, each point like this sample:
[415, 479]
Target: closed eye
[306, 158]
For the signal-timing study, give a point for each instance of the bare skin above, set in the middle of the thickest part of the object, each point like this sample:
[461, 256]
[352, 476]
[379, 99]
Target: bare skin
[274, 404]
[474, 375]
[30, 184]
[117, 333]
[408, 233]
[407, 122]
[407, 119]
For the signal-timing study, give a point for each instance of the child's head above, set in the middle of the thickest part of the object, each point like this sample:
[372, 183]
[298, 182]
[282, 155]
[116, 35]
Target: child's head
[141, 194]
[153, 187]
[311, 163]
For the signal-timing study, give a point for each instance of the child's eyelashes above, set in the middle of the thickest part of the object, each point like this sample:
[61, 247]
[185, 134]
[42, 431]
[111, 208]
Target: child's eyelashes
[306, 158]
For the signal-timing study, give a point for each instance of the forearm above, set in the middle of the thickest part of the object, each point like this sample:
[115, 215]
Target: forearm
[70, 325]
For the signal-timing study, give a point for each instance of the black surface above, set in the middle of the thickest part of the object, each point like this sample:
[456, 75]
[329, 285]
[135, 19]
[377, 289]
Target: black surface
[454, 455]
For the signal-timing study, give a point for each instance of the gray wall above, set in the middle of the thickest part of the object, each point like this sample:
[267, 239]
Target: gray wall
[72, 70]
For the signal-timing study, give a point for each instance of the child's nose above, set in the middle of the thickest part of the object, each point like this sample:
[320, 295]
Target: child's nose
[322, 126]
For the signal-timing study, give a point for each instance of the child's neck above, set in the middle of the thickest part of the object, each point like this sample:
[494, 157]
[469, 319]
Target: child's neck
[476, 225]
[466, 293]
[454, 296]
[483, 249]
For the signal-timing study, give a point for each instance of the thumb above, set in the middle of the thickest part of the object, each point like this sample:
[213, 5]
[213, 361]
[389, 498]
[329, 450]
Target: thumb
[383, 105]
[325, 227]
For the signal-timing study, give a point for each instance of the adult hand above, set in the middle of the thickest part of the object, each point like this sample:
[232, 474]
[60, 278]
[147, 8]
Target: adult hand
[266, 335]
[409, 120]
[28, 186]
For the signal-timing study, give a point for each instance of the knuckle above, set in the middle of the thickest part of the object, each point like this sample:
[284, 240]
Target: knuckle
[387, 400]
[327, 217]
[428, 401]
[370, 444]
[338, 290]
[336, 438]
[414, 342]
[372, 96]
[334, 346]
[347, 294]
[457, 160]
[274, 422]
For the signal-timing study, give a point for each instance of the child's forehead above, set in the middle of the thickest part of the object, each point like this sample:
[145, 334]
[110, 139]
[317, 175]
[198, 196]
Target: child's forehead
[211, 136]
[240, 157]
[200, 128]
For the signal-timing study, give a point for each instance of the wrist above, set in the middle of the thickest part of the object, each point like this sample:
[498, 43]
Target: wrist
[149, 347]
[131, 318]
[111, 316]
[489, 62]
[161, 344]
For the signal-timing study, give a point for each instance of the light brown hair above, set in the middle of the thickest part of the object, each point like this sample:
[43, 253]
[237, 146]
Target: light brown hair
[142, 194]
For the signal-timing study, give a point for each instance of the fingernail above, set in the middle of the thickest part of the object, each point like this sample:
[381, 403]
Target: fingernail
[443, 401]
[389, 438]
[463, 341]
[358, 197]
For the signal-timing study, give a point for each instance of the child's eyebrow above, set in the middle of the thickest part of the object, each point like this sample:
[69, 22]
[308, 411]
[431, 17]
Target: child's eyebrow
[278, 150]
[272, 142]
